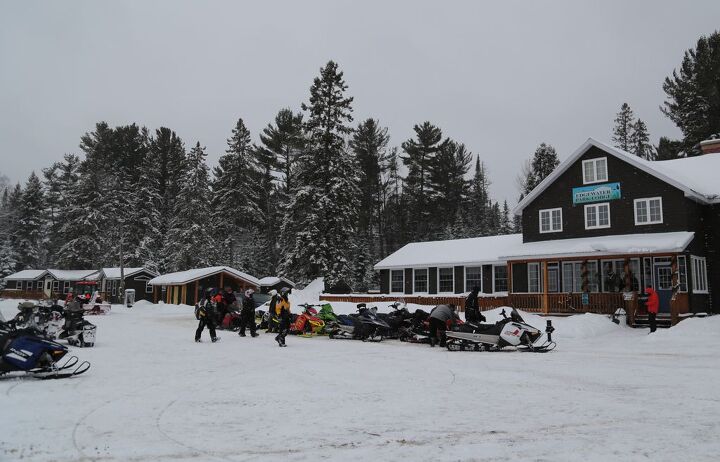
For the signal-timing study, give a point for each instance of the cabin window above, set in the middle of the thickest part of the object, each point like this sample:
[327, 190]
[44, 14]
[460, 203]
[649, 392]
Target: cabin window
[66, 287]
[500, 279]
[648, 211]
[148, 288]
[614, 276]
[473, 277]
[39, 285]
[446, 282]
[682, 273]
[551, 220]
[420, 280]
[597, 216]
[534, 278]
[55, 286]
[397, 281]
[699, 274]
[572, 276]
[595, 170]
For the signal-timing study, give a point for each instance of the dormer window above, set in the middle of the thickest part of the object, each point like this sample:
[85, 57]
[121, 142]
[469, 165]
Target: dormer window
[595, 170]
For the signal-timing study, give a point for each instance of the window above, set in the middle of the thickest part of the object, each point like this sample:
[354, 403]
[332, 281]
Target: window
[595, 170]
[682, 273]
[597, 216]
[473, 277]
[551, 220]
[148, 288]
[648, 211]
[614, 276]
[397, 281]
[572, 276]
[55, 286]
[66, 286]
[534, 278]
[420, 277]
[647, 272]
[500, 279]
[699, 274]
[553, 278]
[39, 285]
[445, 280]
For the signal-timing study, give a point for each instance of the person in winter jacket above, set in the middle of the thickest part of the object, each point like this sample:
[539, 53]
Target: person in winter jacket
[439, 317]
[220, 309]
[247, 314]
[206, 314]
[652, 304]
[274, 298]
[472, 310]
[282, 311]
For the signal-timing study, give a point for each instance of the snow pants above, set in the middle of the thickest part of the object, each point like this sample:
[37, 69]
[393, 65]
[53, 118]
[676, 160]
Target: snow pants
[284, 324]
[247, 319]
[652, 321]
[205, 321]
[435, 326]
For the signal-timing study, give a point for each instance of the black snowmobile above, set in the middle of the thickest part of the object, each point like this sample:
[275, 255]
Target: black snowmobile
[76, 330]
[26, 352]
[365, 325]
[509, 331]
[398, 319]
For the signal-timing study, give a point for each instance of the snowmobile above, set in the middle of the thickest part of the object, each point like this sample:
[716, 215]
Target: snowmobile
[46, 319]
[96, 305]
[365, 325]
[232, 319]
[400, 318]
[76, 330]
[307, 323]
[418, 330]
[27, 352]
[509, 331]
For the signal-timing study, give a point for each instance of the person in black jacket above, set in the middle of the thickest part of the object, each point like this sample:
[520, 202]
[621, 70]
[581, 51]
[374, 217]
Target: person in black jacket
[205, 313]
[472, 310]
[247, 314]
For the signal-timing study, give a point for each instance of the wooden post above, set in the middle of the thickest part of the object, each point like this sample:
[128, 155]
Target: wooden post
[545, 298]
[222, 281]
[184, 294]
[509, 280]
[197, 285]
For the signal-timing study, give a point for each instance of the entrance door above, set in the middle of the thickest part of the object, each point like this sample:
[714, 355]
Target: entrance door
[663, 286]
[553, 278]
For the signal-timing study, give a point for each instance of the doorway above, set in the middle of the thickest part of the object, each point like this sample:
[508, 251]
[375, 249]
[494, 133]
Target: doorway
[663, 285]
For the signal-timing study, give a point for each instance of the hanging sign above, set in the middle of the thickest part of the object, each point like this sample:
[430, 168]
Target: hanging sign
[585, 299]
[596, 193]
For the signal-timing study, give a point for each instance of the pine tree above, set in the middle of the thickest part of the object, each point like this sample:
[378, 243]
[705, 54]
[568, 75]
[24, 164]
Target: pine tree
[420, 154]
[30, 233]
[640, 141]
[284, 142]
[323, 211]
[147, 223]
[622, 132]
[479, 202]
[693, 93]
[393, 211]
[189, 242]
[544, 161]
[506, 225]
[8, 260]
[447, 184]
[60, 182]
[668, 149]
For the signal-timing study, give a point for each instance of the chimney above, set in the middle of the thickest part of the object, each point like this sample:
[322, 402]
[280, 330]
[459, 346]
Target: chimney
[710, 146]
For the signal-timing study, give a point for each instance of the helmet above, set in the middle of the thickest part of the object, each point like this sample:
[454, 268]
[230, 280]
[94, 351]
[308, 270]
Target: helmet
[273, 293]
[285, 290]
[249, 292]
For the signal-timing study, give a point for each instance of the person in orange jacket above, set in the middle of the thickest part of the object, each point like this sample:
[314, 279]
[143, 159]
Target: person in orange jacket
[652, 304]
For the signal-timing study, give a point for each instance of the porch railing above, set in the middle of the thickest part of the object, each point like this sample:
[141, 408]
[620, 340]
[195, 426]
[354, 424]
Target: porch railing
[568, 303]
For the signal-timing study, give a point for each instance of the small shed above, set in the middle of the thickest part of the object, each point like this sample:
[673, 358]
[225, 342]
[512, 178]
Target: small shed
[187, 287]
[269, 283]
[135, 278]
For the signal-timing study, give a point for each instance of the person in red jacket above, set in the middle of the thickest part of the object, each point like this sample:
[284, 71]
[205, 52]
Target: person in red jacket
[652, 304]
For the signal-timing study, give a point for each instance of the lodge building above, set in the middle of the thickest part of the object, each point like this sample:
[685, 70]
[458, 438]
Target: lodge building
[596, 231]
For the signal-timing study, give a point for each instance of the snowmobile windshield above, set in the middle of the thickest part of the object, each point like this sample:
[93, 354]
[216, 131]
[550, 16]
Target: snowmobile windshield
[515, 316]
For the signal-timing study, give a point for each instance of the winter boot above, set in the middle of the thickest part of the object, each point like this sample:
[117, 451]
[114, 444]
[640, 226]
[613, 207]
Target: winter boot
[241, 334]
[215, 339]
[432, 341]
[254, 334]
[197, 340]
[278, 340]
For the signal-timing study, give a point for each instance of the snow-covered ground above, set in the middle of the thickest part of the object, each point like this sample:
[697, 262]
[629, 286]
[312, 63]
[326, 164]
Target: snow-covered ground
[607, 393]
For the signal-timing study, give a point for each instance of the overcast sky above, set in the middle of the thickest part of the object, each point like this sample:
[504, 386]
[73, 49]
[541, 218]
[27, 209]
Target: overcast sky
[501, 76]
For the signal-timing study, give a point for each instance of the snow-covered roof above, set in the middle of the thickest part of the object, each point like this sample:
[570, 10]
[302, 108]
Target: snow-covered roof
[70, 275]
[272, 280]
[26, 275]
[620, 244]
[114, 273]
[183, 277]
[695, 176]
[476, 250]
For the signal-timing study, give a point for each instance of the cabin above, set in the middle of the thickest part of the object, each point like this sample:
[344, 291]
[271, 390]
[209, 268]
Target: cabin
[135, 278]
[269, 283]
[600, 228]
[49, 283]
[187, 287]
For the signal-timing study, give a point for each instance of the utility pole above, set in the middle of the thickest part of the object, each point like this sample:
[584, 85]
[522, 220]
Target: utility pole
[122, 269]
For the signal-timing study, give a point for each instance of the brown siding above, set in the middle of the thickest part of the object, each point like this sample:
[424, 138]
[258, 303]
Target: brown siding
[459, 279]
[385, 281]
[432, 280]
[487, 279]
[408, 280]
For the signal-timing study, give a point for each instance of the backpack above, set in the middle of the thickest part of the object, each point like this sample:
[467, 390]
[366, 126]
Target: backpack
[199, 312]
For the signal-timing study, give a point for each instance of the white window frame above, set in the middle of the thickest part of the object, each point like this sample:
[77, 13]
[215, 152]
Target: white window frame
[597, 215]
[647, 200]
[468, 289]
[66, 286]
[539, 277]
[507, 282]
[550, 212]
[699, 274]
[391, 282]
[452, 272]
[148, 287]
[427, 281]
[594, 163]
